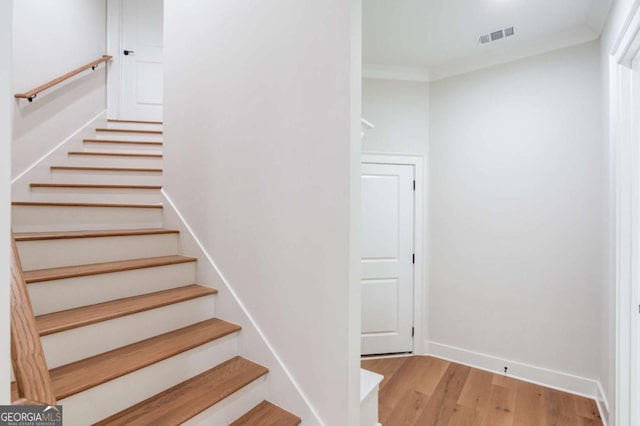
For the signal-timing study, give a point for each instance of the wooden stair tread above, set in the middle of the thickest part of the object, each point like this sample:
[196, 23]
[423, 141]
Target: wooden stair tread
[93, 186]
[90, 372]
[114, 120]
[14, 392]
[267, 414]
[108, 169]
[180, 403]
[125, 142]
[153, 132]
[63, 235]
[50, 274]
[114, 154]
[73, 318]
[58, 204]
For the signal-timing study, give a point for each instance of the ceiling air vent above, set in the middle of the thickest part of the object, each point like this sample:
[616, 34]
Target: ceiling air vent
[484, 39]
[495, 35]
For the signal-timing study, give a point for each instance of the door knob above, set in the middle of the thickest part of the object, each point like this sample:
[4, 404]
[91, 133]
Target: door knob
[128, 52]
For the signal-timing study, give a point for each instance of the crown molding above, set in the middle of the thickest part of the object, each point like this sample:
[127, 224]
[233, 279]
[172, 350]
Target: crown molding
[484, 59]
[513, 52]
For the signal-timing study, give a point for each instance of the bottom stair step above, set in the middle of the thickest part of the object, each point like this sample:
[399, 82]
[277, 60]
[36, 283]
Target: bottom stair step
[267, 414]
[189, 398]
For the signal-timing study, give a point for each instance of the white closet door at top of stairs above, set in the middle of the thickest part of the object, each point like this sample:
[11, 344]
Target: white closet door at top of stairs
[387, 258]
[142, 69]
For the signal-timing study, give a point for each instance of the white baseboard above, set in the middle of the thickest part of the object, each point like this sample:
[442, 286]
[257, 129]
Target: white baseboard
[603, 405]
[541, 376]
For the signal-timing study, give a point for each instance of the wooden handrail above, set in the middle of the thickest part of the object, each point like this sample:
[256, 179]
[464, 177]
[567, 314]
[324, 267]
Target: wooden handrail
[31, 94]
[29, 365]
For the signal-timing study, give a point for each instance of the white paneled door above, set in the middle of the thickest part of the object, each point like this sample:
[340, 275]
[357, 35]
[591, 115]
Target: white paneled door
[387, 258]
[142, 68]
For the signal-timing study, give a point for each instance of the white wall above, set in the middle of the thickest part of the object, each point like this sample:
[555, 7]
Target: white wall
[259, 132]
[50, 39]
[5, 195]
[399, 110]
[516, 218]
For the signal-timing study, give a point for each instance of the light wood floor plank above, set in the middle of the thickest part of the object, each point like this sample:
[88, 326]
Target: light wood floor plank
[464, 416]
[408, 409]
[443, 402]
[500, 411]
[586, 408]
[433, 370]
[428, 391]
[559, 408]
[474, 393]
[387, 367]
[529, 405]
[504, 381]
[404, 379]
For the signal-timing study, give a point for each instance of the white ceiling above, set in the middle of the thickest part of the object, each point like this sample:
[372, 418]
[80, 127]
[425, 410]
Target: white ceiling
[439, 36]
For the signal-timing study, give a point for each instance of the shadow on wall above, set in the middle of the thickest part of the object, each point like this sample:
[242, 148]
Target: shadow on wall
[54, 116]
[28, 114]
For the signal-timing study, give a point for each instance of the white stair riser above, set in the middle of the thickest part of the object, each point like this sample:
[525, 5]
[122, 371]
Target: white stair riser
[83, 342]
[44, 254]
[128, 136]
[135, 126]
[111, 397]
[65, 218]
[106, 177]
[96, 195]
[58, 295]
[369, 409]
[113, 161]
[233, 406]
[121, 147]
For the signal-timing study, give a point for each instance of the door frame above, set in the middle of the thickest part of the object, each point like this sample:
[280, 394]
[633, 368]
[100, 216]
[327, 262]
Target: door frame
[419, 277]
[625, 173]
[114, 48]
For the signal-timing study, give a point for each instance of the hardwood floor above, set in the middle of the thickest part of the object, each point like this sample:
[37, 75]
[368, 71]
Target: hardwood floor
[430, 391]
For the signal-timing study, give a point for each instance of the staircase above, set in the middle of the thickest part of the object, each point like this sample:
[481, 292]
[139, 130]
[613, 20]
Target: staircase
[129, 335]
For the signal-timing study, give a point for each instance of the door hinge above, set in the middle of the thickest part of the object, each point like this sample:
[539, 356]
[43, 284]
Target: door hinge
[413, 258]
[414, 185]
[413, 331]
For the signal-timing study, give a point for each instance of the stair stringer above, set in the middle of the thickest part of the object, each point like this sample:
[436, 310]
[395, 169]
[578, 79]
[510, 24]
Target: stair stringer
[39, 170]
[283, 390]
